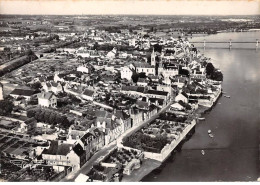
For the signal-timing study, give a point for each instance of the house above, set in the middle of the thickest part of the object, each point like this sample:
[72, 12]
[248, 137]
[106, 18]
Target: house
[167, 71]
[74, 135]
[153, 78]
[122, 55]
[103, 118]
[27, 94]
[136, 115]
[158, 94]
[88, 94]
[177, 106]
[157, 101]
[47, 99]
[88, 143]
[133, 90]
[126, 73]
[112, 54]
[109, 124]
[92, 142]
[61, 155]
[124, 119]
[55, 87]
[179, 81]
[142, 82]
[83, 69]
[182, 97]
[59, 77]
[142, 67]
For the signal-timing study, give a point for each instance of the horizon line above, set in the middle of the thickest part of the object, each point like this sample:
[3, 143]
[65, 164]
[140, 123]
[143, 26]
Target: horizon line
[139, 14]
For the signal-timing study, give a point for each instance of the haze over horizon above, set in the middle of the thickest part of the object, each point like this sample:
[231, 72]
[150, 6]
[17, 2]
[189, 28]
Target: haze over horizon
[130, 7]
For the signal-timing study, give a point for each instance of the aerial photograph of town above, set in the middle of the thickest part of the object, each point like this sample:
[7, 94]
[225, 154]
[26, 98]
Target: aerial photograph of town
[129, 91]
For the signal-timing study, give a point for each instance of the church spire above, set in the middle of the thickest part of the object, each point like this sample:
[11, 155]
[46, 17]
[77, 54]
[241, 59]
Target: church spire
[153, 58]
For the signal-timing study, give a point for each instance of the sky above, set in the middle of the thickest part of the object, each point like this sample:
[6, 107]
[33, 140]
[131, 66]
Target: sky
[143, 7]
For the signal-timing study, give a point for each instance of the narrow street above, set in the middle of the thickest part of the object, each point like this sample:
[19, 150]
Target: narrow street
[104, 151]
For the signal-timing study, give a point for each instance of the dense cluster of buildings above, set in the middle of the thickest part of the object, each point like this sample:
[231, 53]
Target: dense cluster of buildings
[72, 102]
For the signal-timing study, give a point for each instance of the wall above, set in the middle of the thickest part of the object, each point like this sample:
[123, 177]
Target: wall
[165, 152]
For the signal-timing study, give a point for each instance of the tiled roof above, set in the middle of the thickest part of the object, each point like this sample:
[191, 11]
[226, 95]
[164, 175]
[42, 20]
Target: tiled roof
[164, 93]
[56, 149]
[78, 150]
[133, 88]
[23, 92]
[45, 95]
[87, 138]
[88, 92]
[142, 104]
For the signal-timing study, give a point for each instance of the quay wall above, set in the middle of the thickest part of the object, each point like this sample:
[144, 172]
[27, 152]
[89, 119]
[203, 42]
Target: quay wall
[166, 151]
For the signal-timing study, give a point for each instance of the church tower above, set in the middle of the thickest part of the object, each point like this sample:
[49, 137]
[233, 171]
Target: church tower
[1, 91]
[153, 58]
[160, 68]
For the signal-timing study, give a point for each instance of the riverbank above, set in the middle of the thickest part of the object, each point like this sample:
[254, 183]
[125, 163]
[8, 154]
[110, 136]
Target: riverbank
[147, 167]
[153, 166]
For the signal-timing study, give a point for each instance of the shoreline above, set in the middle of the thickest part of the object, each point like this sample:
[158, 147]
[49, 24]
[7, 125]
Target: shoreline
[150, 166]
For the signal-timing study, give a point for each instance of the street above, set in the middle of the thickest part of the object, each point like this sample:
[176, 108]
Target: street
[104, 151]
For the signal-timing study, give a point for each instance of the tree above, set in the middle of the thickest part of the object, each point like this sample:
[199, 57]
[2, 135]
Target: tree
[217, 75]
[142, 75]
[58, 119]
[46, 116]
[6, 107]
[135, 77]
[52, 118]
[36, 85]
[31, 113]
[210, 69]
[41, 116]
[157, 48]
[184, 72]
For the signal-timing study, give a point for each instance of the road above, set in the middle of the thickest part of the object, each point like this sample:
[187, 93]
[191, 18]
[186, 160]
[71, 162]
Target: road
[105, 150]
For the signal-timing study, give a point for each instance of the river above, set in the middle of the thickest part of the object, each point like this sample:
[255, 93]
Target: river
[232, 155]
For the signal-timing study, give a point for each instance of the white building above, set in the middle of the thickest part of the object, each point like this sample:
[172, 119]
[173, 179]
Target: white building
[47, 99]
[27, 94]
[182, 97]
[132, 42]
[126, 73]
[55, 87]
[142, 67]
[60, 155]
[111, 54]
[83, 69]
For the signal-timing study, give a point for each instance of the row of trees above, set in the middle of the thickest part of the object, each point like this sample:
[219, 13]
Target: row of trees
[145, 143]
[49, 116]
[14, 64]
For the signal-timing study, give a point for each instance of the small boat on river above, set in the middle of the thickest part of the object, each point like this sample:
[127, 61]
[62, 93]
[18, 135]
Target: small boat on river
[201, 119]
[202, 152]
[211, 135]
[226, 96]
[209, 131]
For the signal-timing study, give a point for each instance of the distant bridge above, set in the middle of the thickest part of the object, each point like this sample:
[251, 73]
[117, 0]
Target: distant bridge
[226, 42]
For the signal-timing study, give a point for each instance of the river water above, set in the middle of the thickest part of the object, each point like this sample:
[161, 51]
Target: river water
[232, 155]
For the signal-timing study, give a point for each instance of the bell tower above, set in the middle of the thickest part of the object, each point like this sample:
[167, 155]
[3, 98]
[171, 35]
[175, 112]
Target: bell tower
[153, 58]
